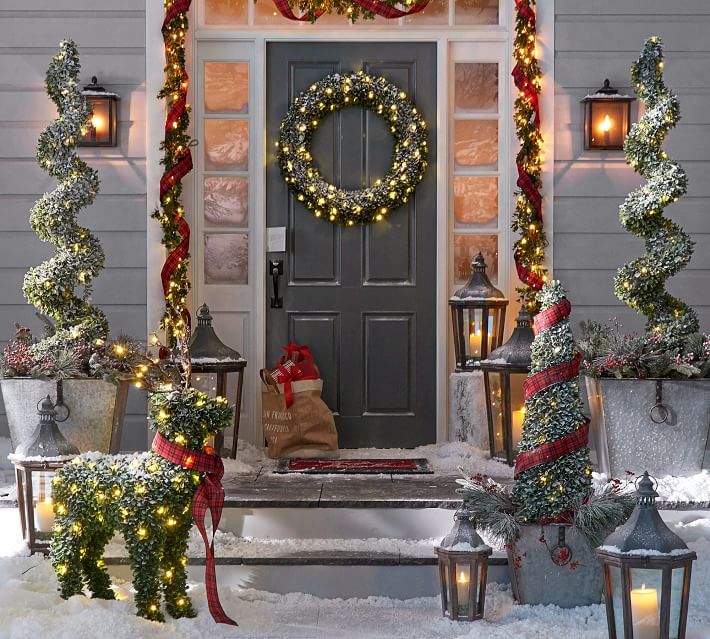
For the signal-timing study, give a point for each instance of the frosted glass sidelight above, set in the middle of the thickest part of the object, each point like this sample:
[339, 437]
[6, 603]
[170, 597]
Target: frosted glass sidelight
[476, 200]
[226, 145]
[476, 87]
[476, 12]
[476, 143]
[226, 258]
[226, 87]
[226, 200]
[465, 249]
[225, 12]
[436, 12]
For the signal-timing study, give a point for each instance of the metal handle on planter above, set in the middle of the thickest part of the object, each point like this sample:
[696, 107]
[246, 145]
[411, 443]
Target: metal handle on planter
[659, 412]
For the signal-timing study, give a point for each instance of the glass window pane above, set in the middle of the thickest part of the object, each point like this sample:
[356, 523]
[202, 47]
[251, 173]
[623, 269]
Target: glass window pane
[476, 200]
[226, 258]
[476, 143]
[226, 200]
[226, 145]
[476, 11]
[476, 87]
[465, 249]
[436, 12]
[225, 12]
[226, 87]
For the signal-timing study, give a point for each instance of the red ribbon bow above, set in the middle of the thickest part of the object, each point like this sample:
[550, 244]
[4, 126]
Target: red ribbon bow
[289, 372]
[209, 495]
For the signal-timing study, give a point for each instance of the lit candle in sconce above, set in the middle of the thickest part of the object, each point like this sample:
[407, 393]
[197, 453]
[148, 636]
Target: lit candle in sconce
[518, 419]
[474, 341]
[605, 127]
[462, 585]
[44, 515]
[644, 612]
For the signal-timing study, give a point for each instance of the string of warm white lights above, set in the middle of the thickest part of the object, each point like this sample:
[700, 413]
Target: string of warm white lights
[177, 162]
[372, 203]
[529, 248]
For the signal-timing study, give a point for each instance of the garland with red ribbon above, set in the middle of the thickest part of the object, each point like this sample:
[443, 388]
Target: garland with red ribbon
[369, 8]
[529, 248]
[208, 496]
[177, 163]
[537, 382]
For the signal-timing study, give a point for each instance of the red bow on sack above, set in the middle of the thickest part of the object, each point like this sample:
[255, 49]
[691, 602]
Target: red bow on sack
[296, 353]
[296, 365]
[209, 495]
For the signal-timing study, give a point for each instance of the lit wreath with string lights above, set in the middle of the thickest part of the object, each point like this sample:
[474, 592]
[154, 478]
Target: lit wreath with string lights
[335, 92]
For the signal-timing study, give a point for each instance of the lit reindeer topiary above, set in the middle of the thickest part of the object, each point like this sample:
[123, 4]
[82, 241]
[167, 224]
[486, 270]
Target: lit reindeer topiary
[149, 499]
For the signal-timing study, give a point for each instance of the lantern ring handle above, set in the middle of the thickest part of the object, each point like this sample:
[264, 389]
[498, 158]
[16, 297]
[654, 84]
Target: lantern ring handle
[651, 477]
[659, 412]
[66, 412]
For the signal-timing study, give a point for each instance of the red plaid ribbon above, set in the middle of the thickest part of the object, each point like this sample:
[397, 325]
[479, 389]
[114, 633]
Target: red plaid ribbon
[177, 7]
[551, 316]
[529, 188]
[553, 450]
[525, 10]
[377, 7]
[209, 496]
[550, 376]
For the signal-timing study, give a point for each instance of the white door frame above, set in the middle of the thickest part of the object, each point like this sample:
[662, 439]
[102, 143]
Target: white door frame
[443, 37]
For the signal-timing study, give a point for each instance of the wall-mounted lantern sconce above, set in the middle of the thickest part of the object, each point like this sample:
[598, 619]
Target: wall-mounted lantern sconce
[103, 127]
[607, 117]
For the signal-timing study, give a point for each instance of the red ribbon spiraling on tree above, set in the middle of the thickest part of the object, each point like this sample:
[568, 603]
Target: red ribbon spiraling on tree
[538, 382]
[181, 168]
[526, 182]
[377, 7]
[209, 496]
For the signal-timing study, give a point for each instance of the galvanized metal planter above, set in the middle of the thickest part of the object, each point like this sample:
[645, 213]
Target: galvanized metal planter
[95, 415]
[554, 564]
[659, 425]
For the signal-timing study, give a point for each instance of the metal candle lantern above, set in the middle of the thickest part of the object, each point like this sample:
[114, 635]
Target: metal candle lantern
[478, 317]
[607, 117]
[35, 462]
[646, 574]
[103, 127]
[463, 570]
[209, 355]
[504, 374]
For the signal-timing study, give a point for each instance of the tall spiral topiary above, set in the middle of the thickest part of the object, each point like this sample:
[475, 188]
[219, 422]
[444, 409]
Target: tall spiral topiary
[50, 287]
[553, 470]
[641, 282]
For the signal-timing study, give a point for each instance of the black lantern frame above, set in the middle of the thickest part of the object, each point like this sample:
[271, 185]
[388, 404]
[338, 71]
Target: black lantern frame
[478, 318]
[103, 125]
[504, 374]
[645, 551]
[209, 355]
[598, 109]
[463, 570]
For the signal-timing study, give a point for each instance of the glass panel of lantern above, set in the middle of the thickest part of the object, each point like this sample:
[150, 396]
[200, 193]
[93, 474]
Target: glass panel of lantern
[103, 126]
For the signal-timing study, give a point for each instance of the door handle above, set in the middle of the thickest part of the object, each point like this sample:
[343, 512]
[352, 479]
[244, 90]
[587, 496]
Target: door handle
[277, 270]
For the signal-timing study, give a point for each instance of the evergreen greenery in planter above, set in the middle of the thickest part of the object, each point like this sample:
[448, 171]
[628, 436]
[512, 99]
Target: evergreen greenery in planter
[553, 476]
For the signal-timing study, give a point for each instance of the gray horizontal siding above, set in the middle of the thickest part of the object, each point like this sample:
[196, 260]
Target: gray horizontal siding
[598, 40]
[111, 40]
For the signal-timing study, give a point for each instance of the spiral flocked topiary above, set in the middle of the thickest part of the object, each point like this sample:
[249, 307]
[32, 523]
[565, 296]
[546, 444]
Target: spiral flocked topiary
[79, 256]
[641, 282]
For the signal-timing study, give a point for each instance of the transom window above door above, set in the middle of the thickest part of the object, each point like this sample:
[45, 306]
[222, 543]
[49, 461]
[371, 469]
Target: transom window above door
[227, 14]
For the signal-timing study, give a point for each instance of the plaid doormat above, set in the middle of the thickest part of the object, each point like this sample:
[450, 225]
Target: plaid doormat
[354, 466]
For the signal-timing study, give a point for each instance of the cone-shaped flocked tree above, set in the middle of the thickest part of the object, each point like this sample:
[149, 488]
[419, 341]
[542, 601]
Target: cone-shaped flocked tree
[50, 287]
[553, 490]
[641, 282]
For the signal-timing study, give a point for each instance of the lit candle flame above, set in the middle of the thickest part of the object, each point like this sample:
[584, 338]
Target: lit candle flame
[605, 126]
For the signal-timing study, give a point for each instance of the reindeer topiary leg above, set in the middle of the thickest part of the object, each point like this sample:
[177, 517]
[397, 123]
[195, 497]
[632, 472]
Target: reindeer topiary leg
[65, 550]
[143, 544]
[174, 574]
[95, 572]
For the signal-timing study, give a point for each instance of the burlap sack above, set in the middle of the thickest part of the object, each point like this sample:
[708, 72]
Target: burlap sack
[306, 429]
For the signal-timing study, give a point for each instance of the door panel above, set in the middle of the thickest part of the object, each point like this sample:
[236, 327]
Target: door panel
[362, 298]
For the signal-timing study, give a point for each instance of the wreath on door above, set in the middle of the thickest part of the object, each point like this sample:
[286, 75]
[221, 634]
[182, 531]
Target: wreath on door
[409, 159]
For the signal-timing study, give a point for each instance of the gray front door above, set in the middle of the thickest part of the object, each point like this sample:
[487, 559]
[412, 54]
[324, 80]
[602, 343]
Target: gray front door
[362, 298]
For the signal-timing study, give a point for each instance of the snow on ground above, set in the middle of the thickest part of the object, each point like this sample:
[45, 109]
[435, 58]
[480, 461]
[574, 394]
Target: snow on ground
[444, 458]
[32, 608]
